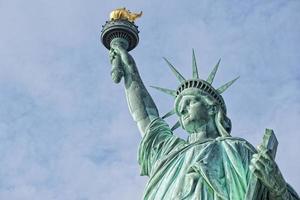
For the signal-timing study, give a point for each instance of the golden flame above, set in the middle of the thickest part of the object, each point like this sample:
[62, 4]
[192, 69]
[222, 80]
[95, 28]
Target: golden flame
[123, 13]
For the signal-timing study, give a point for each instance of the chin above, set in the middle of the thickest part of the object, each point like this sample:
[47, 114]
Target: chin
[188, 125]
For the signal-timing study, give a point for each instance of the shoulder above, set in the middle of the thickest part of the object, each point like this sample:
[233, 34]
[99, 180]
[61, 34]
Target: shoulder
[237, 142]
[158, 131]
[157, 122]
[157, 125]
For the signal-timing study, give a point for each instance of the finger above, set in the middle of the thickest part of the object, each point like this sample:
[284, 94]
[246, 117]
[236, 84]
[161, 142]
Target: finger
[255, 155]
[253, 160]
[255, 171]
[116, 49]
[258, 164]
[258, 147]
[265, 152]
[116, 75]
[258, 156]
[264, 159]
[258, 174]
[111, 55]
[267, 156]
[112, 52]
[262, 149]
[114, 56]
[111, 58]
[252, 168]
[266, 166]
[262, 162]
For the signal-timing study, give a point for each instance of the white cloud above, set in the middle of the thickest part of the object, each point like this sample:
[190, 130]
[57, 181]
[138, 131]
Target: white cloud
[65, 131]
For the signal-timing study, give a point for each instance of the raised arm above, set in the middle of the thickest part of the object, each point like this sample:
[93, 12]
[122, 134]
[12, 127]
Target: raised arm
[140, 103]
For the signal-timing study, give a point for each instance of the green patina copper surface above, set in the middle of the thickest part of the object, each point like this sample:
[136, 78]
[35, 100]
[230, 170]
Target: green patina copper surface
[210, 164]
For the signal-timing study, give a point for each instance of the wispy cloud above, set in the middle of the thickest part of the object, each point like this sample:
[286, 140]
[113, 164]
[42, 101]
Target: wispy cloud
[65, 130]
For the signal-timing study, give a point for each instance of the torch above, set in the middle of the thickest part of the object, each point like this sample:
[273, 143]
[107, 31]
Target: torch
[120, 31]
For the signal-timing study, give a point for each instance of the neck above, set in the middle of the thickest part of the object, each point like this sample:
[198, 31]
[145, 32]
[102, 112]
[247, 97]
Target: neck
[212, 129]
[207, 131]
[201, 132]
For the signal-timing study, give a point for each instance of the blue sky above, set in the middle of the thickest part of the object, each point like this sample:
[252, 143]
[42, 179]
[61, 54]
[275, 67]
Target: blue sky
[65, 130]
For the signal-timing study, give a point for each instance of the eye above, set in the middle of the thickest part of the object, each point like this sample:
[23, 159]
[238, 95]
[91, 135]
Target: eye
[193, 101]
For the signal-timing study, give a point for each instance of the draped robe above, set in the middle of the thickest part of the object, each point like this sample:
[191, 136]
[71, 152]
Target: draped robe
[211, 169]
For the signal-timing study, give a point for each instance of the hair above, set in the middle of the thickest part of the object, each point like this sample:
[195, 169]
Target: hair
[222, 122]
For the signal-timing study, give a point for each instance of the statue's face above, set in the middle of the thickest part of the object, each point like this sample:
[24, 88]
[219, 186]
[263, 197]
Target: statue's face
[193, 113]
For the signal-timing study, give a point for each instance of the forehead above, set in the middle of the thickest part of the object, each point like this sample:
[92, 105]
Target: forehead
[188, 98]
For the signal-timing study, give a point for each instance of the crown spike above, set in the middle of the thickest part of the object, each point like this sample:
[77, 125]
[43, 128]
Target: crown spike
[195, 69]
[224, 87]
[172, 112]
[212, 74]
[175, 126]
[177, 74]
[165, 90]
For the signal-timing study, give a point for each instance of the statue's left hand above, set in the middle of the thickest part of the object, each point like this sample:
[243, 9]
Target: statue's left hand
[265, 168]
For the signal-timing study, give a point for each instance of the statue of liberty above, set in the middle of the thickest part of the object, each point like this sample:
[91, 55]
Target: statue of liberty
[211, 164]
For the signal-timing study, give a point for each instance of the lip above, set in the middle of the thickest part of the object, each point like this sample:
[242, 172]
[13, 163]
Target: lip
[184, 118]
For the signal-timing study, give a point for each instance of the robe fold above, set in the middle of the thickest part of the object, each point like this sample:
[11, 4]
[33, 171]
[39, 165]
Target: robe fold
[213, 169]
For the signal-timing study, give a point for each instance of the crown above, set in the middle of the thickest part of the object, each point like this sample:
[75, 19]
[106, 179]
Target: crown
[197, 83]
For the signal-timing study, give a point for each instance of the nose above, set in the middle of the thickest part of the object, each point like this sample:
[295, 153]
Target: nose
[183, 109]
